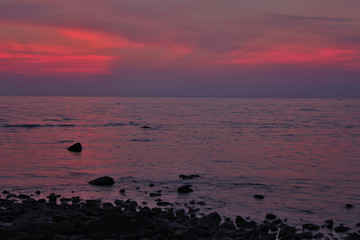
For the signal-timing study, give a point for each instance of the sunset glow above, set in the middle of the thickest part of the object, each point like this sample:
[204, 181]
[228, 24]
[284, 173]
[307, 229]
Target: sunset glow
[154, 42]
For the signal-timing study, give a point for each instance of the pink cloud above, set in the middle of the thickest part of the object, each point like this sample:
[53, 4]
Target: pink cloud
[295, 54]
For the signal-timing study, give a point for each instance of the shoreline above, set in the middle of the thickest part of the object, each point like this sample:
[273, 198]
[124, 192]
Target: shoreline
[53, 217]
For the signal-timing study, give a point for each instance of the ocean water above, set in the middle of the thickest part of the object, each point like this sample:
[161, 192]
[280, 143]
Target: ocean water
[303, 155]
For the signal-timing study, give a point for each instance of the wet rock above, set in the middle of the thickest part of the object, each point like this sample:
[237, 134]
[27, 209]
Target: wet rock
[163, 203]
[113, 223]
[29, 201]
[155, 194]
[185, 189]
[210, 221]
[93, 203]
[37, 192]
[277, 222]
[341, 229]
[270, 216]
[242, 223]
[287, 232]
[259, 196]
[358, 224]
[75, 147]
[23, 196]
[304, 235]
[65, 199]
[329, 224]
[145, 126]
[59, 218]
[118, 202]
[187, 177]
[311, 227]
[5, 192]
[151, 185]
[11, 195]
[227, 226]
[348, 206]
[102, 181]
[353, 236]
[122, 190]
[318, 235]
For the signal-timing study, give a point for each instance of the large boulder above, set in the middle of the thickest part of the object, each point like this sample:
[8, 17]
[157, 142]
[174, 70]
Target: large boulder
[102, 181]
[75, 147]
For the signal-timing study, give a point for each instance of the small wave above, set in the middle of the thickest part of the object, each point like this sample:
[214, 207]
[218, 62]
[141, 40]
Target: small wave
[51, 120]
[21, 125]
[140, 140]
[36, 125]
[69, 119]
[114, 124]
[250, 184]
[308, 109]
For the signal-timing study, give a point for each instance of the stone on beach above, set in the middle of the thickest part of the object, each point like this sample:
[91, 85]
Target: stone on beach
[329, 224]
[102, 181]
[311, 226]
[341, 228]
[210, 221]
[75, 147]
[270, 216]
[92, 219]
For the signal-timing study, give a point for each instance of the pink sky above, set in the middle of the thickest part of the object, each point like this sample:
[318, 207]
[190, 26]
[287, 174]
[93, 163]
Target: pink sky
[180, 48]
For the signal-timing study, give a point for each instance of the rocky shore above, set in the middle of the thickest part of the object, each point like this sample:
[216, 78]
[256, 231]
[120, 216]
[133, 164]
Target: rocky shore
[25, 218]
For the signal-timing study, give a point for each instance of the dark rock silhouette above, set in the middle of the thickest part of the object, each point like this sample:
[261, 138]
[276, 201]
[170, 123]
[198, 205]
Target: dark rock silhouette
[185, 189]
[145, 127]
[258, 196]
[75, 147]
[329, 224]
[186, 177]
[270, 216]
[102, 181]
[341, 229]
[348, 206]
[311, 226]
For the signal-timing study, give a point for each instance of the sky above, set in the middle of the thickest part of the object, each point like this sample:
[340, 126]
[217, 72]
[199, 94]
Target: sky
[187, 48]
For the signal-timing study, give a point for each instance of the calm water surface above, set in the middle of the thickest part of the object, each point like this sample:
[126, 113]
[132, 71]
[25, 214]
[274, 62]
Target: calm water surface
[303, 155]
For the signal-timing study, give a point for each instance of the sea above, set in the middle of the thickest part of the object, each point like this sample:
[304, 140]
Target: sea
[302, 155]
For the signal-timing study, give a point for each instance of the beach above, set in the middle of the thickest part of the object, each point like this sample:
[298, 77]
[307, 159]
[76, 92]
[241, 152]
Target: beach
[24, 217]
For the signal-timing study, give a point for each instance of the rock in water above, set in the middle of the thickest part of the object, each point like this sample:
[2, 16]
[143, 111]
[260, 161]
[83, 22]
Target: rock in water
[102, 181]
[186, 177]
[75, 148]
[185, 189]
